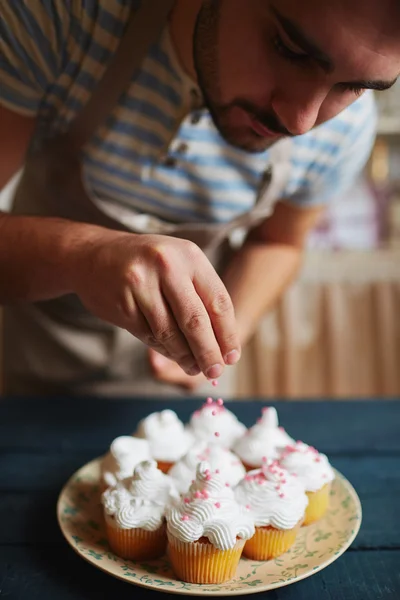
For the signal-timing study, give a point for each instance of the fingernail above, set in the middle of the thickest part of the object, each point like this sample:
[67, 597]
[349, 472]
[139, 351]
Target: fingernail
[195, 370]
[232, 357]
[214, 372]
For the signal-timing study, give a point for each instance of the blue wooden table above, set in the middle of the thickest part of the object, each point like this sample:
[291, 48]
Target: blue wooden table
[42, 442]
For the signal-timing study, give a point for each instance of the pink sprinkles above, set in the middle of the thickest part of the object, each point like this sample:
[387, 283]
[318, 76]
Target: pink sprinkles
[217, 434]
[214, 382]
[218, 505]
[185, 518]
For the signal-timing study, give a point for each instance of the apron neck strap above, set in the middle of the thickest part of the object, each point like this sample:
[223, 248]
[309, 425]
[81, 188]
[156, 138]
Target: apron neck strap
[143, 28]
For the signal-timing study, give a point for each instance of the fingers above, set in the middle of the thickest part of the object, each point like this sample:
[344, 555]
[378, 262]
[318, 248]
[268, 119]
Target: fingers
[164, 328]
[178, 305]
[219, 307]
[195, 324]
[132, 319]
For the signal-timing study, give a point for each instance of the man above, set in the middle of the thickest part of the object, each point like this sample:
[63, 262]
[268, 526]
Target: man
[243, 118]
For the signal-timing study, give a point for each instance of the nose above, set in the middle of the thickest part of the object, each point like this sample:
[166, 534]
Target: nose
[298, 109]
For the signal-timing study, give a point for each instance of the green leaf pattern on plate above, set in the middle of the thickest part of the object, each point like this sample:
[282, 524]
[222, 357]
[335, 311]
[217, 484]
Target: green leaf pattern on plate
[81, 520]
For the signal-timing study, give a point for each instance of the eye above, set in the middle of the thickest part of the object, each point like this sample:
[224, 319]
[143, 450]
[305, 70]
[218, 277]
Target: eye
[355, 89]
[284, 50]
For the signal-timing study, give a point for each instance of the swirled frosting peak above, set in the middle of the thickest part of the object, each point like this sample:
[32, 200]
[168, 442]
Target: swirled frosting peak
[220, 460]
[169, 439]
[140, 500]
[210, 510]
[214, 423]
[305, 462]
[264, 440]
[124, 454]
[273, 496]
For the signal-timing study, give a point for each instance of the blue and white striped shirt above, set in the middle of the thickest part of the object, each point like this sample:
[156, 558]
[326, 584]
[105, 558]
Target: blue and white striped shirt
[156, 154]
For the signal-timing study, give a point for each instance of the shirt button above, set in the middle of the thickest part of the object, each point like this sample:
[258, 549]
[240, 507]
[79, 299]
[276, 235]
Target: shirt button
[267, 175]
[182, 148]
[169, 161]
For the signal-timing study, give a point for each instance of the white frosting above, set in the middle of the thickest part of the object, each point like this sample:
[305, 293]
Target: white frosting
[214, 423]
[273, 496]
[264, 440]
[168, 438]
[210, 510]
[140, 500]
[125, 453]
[311, 467]
[219, 459]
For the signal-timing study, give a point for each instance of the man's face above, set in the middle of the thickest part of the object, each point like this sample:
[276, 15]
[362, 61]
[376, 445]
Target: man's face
[269, 68]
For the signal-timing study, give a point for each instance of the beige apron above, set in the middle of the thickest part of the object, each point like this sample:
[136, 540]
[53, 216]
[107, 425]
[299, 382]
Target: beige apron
[56, 346]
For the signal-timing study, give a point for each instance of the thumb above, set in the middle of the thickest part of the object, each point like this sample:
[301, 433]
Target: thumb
[157, 360]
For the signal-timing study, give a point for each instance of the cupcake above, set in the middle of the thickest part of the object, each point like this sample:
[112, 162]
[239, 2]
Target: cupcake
[265, 440]
[314, 472]
[214, 423]
[125, 453]
[168, 438]
[221, 460]
[207, 530]
[134, 512]
[277, 502]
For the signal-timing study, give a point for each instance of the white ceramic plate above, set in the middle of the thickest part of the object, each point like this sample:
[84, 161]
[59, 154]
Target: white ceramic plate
[80, 517]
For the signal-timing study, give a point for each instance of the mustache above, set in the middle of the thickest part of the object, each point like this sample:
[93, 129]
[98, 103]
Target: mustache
[266, 118]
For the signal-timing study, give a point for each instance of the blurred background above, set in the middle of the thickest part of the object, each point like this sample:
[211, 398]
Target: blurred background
[336, 332]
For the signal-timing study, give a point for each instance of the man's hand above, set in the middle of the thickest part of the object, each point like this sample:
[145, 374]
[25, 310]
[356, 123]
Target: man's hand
[167, 370]
[165, 292]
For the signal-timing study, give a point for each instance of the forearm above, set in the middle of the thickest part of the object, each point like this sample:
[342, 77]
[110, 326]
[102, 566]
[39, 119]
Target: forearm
[38, 256]
[256, 279]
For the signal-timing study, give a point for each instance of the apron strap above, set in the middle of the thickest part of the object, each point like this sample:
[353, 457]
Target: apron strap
[143, 28]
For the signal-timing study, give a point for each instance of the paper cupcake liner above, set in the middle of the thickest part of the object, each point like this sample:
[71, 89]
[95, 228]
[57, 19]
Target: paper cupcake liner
[318, 503]
[268, 542]
[201, 562]
[164, 466]
[136, 544]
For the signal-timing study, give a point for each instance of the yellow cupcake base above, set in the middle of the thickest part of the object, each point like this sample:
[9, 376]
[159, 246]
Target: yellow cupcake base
[136, 544]
[268, 542]
[318, 503]
[201, 562]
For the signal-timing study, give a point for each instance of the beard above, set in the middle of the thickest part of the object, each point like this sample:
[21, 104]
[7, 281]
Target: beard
[205, 56]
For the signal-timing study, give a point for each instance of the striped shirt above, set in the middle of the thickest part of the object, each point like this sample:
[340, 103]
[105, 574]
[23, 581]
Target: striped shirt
[157, 154]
